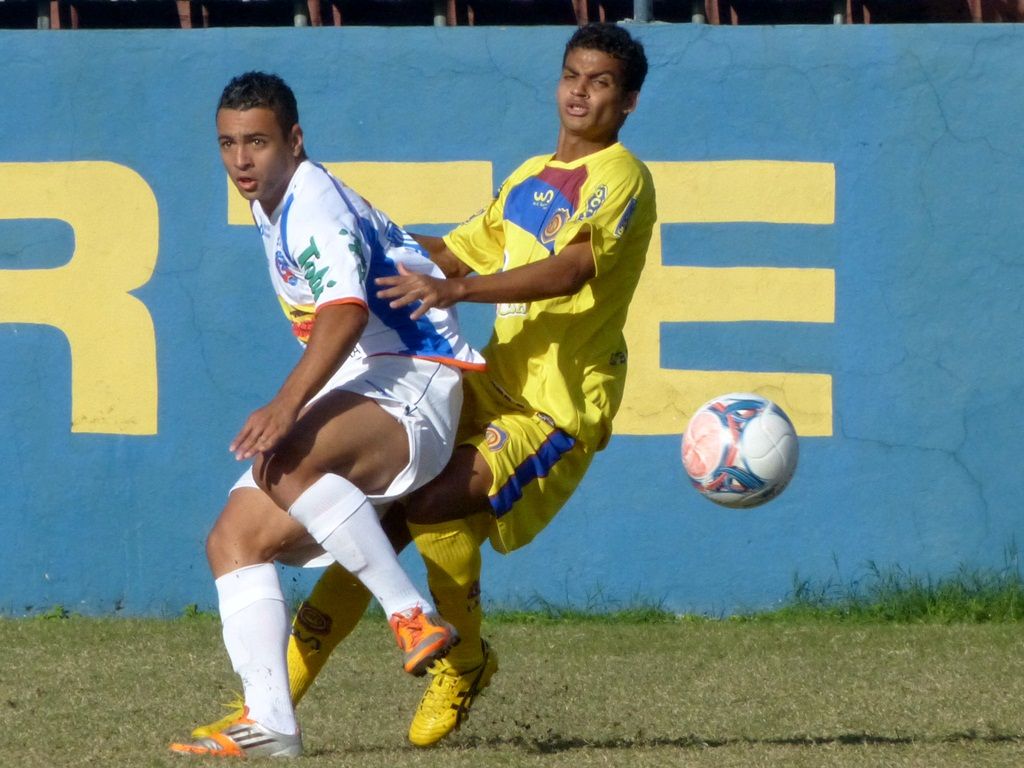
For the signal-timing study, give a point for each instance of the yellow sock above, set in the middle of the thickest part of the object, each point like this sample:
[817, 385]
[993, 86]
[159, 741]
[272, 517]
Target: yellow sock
[324, 619]
[451, 551]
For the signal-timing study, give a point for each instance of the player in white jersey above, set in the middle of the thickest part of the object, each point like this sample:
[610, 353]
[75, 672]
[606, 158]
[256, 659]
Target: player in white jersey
[366, 416]
[326, 243]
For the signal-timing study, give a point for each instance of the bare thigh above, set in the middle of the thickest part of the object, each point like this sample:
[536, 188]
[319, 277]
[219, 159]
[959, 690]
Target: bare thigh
[342, 433]
[251, 529]
[459, 491]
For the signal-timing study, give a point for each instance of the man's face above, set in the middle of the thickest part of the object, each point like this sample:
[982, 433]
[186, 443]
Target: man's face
[592, 102]
[258, 156]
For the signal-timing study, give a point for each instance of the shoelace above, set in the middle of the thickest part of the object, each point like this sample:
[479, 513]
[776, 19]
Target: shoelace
[409, 625]
[434, 699]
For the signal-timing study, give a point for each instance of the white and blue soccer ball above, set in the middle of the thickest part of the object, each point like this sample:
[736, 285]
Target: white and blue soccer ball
[740, 450]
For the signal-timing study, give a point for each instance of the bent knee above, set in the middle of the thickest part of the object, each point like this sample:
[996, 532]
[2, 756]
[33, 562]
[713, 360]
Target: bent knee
[220, 553]
[231, 545]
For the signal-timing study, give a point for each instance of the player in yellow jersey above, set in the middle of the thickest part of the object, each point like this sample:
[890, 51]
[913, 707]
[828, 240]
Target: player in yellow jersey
[559, 251]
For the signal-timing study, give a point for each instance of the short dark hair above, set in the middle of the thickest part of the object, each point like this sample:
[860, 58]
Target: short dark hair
[617, 43]
[260, 89]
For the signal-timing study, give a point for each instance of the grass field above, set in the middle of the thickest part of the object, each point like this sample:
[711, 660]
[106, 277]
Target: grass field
[629, 692]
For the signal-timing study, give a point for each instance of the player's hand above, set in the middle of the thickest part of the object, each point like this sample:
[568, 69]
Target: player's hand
[263, 430]
[409, 287]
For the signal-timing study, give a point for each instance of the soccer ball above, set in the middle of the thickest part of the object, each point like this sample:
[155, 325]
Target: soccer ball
[740, 450]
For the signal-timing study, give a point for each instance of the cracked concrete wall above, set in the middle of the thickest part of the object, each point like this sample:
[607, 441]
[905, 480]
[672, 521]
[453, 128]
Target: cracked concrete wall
[840, 218]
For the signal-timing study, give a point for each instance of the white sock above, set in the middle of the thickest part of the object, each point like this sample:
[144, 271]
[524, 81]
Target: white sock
[255, 627]
[342, 520]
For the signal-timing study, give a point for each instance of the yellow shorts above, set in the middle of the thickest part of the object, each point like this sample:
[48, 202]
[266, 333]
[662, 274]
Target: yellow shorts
[535, 465]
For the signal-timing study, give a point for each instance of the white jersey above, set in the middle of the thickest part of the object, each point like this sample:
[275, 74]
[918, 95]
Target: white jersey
[325, 245]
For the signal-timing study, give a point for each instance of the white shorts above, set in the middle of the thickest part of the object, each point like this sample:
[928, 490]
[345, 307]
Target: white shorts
[424, 396]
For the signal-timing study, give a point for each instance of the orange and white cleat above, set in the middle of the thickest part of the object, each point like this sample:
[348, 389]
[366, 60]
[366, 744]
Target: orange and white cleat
[243, 738]
[423, 637]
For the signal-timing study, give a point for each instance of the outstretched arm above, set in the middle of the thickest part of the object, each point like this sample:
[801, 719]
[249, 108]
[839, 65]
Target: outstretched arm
[562, 274]
[442, 255]
[335, 333]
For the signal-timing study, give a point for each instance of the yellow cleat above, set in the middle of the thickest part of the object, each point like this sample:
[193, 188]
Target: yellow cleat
[237, 707]
[446, 702]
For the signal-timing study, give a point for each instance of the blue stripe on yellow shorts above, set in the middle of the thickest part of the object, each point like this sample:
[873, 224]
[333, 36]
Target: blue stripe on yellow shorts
[538, 465]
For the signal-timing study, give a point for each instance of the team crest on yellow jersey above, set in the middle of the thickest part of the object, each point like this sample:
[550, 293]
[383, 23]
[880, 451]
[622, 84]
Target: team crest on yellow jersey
[555, 223]
[496, 437]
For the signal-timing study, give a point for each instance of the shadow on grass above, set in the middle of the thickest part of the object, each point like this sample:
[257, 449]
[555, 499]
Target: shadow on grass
[555, 743]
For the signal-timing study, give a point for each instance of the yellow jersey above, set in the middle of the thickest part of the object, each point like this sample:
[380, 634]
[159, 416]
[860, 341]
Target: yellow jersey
[565, 357]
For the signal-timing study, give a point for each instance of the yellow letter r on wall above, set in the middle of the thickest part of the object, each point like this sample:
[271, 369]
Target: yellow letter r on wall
[113, 214]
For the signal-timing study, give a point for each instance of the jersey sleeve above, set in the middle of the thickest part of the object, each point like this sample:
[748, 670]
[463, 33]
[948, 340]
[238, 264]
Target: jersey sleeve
[479, 243]
[607, 212]
[329, 252]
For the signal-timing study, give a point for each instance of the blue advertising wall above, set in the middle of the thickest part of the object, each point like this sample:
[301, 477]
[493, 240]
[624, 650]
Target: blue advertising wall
[839, 229]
